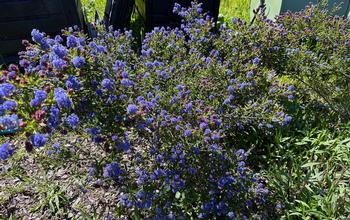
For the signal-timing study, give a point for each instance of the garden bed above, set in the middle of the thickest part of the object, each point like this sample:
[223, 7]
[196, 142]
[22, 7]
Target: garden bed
[203, 121]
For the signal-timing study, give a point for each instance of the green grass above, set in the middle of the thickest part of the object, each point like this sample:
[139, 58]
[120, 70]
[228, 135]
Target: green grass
[98, 4]
[228, 8]
[90, 6]
[235, 9]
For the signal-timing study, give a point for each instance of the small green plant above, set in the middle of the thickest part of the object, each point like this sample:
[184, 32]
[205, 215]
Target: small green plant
[313, 181]
[52, 198]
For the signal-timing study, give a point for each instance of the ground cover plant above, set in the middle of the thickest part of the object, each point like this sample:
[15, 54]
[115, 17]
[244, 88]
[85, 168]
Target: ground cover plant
[201, 121]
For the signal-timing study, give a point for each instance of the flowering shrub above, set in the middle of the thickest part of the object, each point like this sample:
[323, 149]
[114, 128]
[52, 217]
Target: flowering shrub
[311, 48]
[173, 118]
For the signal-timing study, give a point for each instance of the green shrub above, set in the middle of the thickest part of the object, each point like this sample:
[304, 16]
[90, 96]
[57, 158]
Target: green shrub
[311, 48]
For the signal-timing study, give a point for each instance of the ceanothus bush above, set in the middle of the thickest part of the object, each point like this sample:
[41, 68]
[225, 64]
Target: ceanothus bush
[175, 117]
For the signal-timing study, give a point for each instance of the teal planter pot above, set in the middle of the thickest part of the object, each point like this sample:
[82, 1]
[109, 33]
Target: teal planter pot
[277, 7]
[9, 131]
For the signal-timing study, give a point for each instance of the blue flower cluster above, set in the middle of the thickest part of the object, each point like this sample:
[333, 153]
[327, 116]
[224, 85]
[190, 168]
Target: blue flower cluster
[78, 62]
[72, 41]
[62, 99]
[38, 140]
[60, 50]
[39, 97]
[37, 36]
[55, 149]
[6, 89]
[8, 105]
[73, 121]
[9, 122]
[132, 109]
[113, 171]
[73, 83]
[107, 84]
[5, 151]
[54, 118]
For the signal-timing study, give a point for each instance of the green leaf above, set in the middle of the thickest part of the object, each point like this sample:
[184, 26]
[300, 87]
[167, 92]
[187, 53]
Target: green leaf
[311, 164]
[303, 203]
